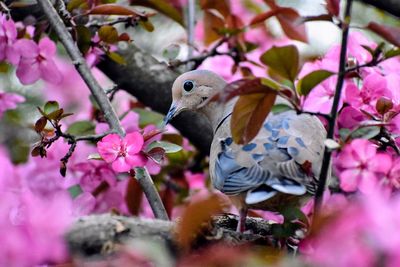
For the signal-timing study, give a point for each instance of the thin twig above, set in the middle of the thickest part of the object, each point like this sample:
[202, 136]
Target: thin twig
[80, 64]
[191, 8]
[333, 114]
[199, 59]
[145, 181]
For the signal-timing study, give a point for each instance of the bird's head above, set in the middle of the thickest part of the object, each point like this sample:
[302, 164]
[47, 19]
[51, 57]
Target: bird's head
[191, 89]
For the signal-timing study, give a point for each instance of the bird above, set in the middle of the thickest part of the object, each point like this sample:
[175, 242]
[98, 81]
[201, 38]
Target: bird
[279, 167]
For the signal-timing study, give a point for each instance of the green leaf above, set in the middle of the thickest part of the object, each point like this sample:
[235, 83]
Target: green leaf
[75, 190]
[282, 60]
[366, 132]
[308, 82]
[4, 67]
[81, 128]
[146, 24]
[55, 115]
[392, 53]
[270, 83]
[167, 146]
[94, 156]
[108, 34]
[51, 106]
[279, 108]
[171, 52]
[116, 58]
[147, 117]
[83, 38]
[73, 4]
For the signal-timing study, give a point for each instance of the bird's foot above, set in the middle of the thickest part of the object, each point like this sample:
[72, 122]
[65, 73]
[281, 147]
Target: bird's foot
[241, 227]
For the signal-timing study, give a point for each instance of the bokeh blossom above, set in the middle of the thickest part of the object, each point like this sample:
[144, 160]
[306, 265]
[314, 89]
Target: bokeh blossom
[9, 101]
[363, 233]
[8, 37]
[123, 153]
[37, 61]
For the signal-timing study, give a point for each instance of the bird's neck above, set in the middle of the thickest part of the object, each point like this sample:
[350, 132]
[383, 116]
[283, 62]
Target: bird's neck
[215, 112]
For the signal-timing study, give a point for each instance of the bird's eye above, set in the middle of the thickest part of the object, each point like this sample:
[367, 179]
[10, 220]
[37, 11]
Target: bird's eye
[188, 86]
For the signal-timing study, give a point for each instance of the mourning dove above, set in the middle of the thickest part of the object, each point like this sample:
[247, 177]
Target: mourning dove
[278, 167]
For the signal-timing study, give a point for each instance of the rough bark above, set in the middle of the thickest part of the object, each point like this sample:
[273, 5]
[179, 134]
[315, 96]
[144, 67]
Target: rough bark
[96, 235]
[390, 6]
[150, 82]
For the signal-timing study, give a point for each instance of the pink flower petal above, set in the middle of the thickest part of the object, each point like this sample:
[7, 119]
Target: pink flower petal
[368, 182]
[380, 163]
[349, 180]
[134, 142]
[120, 165]
[135, 160]
[27, 48]
[49, 71]
[47, 47]
[28, 71]
[109, 147]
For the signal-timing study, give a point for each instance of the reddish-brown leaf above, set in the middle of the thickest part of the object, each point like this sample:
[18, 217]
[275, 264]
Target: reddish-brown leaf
[152, 133]
[243, 87]
[222, 6]
[163, 7]
[263, 16]
[333, 7]
[114, 9]
[389, 33]
[133, 197]
[40, 124]
[157, 154]
[195, 215]
[212, 22]
[168, 199]
[124, 37]
[249, 114]
[290, 21]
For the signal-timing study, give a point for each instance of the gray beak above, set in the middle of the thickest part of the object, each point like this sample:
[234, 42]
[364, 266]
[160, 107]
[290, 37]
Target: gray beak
[171, 113]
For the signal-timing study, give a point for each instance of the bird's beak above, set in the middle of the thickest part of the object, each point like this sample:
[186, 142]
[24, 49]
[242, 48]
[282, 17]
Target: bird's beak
[171, 113]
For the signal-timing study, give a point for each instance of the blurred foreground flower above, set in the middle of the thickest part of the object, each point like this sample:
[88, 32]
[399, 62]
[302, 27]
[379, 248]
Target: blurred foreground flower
[8, 36]
[9, 101]
[37, 61]
[364, 233]
[123, 153]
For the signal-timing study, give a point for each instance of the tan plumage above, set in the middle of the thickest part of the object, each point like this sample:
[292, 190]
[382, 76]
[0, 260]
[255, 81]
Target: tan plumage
[279, 166]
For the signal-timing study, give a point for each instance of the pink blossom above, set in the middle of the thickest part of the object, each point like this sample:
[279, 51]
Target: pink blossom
[123, 153]
[364, 233]
[196, 181]
[374, 87]
[33, 228]
[350, 117]
[9, 101]
[93, 174]
[37, 61]
[8, 37]
[360, 166]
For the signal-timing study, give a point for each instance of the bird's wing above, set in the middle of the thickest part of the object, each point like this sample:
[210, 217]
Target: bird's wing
[285, 156]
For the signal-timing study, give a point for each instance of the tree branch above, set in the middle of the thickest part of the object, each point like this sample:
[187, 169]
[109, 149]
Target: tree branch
[98, 93]
[390, 6]
[332, 118]
[145, 181]
[81, 66]
[101, 234]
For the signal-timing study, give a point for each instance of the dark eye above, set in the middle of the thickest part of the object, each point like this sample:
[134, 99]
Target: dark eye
[188, 86]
